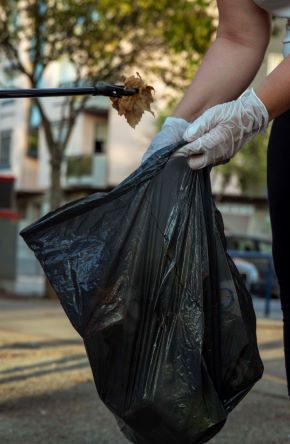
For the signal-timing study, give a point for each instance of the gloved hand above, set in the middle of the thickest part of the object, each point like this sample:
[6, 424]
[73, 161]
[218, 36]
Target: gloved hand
[220, 132]
[171, 132]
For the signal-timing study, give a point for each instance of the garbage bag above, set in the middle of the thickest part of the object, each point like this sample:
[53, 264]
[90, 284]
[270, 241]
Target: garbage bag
[143, 275]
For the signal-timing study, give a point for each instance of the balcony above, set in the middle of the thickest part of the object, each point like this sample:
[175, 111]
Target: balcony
[87, 171]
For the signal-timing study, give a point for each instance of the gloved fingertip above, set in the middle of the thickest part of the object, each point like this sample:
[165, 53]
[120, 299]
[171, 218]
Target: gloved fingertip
[192, 132]
[194, 148]
[197, 128]
[178, 154]
[197, 161]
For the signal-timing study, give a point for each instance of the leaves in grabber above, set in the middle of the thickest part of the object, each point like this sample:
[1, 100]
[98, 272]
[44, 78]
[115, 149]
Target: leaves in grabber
[133, 107]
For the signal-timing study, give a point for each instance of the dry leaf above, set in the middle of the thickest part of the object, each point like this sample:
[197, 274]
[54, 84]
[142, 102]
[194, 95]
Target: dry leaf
[132, 107]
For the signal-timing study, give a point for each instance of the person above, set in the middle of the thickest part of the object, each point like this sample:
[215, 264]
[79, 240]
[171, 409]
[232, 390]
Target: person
[218, 114]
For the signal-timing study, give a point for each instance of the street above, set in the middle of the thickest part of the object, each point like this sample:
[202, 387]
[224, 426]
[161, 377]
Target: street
[48, 394]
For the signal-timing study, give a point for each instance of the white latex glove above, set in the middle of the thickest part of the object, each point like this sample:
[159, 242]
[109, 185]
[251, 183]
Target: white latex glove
[221, 131]
[171, 131]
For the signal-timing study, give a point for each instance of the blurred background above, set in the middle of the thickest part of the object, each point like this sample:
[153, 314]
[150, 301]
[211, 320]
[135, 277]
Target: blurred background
[55, 150]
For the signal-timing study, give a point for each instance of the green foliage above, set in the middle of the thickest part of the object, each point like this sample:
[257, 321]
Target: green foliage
[78, 166]
[249, 166]
[102, 37]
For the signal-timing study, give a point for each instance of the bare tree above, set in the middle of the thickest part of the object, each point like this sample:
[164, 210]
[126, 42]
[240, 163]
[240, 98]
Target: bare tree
[101, 38]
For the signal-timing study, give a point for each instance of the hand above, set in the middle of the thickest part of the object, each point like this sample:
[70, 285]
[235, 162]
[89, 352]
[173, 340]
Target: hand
[172, 131]
[219, 133]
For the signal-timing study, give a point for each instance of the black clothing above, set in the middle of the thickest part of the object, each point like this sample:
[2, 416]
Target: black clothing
[279, 203]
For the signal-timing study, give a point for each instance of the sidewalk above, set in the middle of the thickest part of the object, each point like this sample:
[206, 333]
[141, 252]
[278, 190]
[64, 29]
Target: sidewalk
[275, 309]
[48, 394]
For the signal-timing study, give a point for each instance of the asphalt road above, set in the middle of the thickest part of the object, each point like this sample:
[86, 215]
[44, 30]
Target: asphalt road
[47, 394]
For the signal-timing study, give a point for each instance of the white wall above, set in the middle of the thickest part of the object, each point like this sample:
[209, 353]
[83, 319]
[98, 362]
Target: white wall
[127, 145]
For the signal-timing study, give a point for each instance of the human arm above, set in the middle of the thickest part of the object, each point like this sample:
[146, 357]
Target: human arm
[232, 61]
[274, 90]
[221, 131]
[228, 68]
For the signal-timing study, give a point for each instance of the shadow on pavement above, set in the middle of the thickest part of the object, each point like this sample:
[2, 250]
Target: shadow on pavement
[41, 344]
[70, 416]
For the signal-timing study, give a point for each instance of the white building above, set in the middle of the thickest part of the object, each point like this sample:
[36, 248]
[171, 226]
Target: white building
[102, 151]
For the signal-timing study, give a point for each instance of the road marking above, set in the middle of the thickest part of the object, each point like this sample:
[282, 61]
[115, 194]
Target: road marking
[274, 353]
[275, 379]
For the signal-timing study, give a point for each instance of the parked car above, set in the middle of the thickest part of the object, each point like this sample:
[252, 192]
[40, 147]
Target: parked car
[257, 251]
[249, 243]
[248, 271]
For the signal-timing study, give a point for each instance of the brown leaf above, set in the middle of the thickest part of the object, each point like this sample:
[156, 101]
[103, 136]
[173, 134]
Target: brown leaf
[133, 107]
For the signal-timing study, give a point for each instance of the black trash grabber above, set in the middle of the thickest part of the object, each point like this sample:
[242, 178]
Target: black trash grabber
[100, 89]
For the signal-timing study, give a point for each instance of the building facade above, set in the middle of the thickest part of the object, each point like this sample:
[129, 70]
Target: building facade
[103, 149]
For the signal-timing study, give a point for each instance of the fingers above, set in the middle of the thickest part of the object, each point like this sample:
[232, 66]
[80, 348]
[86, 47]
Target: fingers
[186, 150]
[203, 124]
[178, 153]
[197, 162]
[205, 143]
[207, 150]
[197, 129]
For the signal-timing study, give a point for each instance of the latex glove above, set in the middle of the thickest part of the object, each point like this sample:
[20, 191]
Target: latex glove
[219, 133]
[171, 131]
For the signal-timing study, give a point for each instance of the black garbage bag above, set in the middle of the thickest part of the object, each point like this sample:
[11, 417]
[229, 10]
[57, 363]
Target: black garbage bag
[143, 275]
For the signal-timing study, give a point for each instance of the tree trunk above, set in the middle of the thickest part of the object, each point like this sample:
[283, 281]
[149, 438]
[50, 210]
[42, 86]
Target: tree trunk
[55, 192]
[55, 201]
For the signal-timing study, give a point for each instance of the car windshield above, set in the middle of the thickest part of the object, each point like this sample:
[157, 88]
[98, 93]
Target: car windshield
[241, 244]
[265, 247]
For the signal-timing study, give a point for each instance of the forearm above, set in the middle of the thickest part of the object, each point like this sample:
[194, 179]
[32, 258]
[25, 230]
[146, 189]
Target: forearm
[233, 59]
[274, 91]
[226, 71]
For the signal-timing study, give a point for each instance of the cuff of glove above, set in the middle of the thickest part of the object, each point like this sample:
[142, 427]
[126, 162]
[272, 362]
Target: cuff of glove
[257, 103]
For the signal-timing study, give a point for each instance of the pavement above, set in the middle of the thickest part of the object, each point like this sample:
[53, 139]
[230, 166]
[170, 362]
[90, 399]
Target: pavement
[47, 393]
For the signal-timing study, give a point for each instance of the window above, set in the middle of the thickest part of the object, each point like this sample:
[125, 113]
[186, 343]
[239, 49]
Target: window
[33, 143]
[265, 247]
[33, 132]
[100, 138]
[5, 148]
[241, 244]
[78, 166]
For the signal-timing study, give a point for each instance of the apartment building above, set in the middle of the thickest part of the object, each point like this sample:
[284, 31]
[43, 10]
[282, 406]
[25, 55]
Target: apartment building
[103, 148]
[102, 151]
